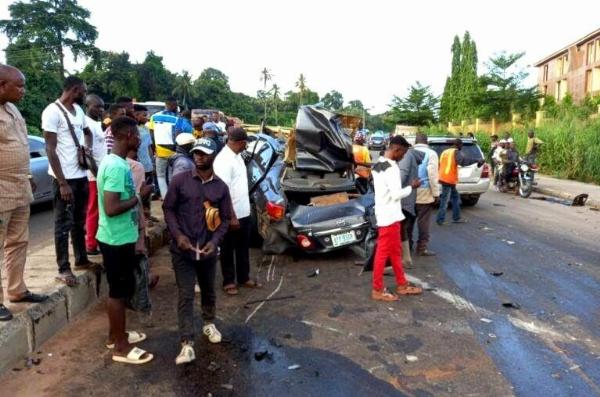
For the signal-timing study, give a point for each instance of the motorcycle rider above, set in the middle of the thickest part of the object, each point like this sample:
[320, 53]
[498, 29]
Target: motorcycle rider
[498, 159]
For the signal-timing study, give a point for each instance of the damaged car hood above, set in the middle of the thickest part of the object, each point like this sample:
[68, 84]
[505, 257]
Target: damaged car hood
[321, 143]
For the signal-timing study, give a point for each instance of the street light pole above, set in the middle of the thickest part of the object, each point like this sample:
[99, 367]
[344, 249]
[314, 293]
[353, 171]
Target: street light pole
[364, 118]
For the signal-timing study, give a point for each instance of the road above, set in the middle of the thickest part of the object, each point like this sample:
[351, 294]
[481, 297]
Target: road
[546, 258]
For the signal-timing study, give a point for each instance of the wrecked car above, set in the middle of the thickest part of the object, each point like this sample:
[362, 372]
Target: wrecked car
[304, 195]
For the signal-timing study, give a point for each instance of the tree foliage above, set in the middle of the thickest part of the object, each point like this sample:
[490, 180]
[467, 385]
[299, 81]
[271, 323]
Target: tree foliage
[52, 26]
[333, 100]
[418, 108]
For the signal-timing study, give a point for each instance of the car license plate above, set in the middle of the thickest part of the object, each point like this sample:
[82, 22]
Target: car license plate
[343, 238]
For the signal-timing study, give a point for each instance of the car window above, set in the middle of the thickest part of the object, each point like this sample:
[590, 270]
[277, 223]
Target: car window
[469, 150]
[262, 154]
[36, 149]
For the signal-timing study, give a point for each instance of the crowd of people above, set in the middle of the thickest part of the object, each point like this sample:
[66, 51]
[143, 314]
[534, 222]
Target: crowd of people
[106, 167]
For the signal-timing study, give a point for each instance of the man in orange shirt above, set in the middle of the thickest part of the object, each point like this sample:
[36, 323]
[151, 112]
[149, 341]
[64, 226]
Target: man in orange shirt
[362, 157]
[449, 161]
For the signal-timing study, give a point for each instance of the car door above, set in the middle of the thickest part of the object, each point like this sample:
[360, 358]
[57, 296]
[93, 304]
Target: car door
[38, 162]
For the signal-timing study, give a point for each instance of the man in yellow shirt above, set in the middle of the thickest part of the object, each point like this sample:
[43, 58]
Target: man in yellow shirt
[362, 157]
[533, 144]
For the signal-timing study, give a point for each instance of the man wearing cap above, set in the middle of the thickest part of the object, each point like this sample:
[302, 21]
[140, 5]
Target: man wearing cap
[182, 160]
[499, 158]
[194, 244]
[235, 249]
[211, 130]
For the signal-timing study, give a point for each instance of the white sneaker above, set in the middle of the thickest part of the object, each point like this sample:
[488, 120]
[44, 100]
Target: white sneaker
[214, 336]
[187, 354]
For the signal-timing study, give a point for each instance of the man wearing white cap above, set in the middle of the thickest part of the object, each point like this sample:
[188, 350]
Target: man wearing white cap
[499, 158]
[182, 160]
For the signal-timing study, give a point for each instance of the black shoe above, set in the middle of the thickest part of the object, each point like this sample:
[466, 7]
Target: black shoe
[5, 314]
[95, 251]
[30, 297]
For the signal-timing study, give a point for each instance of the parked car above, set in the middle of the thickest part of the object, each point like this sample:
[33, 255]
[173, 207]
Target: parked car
[377, 141]
[38, 162]
[472, 180]
[285, 198]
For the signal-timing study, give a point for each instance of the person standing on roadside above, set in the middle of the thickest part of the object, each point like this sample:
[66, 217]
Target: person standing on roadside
[448, 175]
[427, 194]
[94, 108]
[114, 111]
[388, 211]
[182, 160]
[126, 103]
[211, 131]
[145, 154]
[533, 145]
[216, 118]
[16, 186]
[409, 171]
[235, 250]
[117, 235]
[189, 210]
[64, 123]
[164, 127]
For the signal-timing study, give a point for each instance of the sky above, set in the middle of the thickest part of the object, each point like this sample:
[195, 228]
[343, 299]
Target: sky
[368, 50]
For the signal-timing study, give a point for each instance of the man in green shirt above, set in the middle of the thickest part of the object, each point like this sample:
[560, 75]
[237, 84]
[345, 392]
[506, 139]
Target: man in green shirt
[117, 234]
[533, 145]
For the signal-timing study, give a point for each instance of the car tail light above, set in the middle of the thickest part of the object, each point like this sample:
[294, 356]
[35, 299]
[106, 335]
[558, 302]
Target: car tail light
[304, 241]
[485, 172]
[275, 211]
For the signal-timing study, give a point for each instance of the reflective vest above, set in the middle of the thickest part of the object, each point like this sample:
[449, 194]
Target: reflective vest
[361, 156]
[448, 167]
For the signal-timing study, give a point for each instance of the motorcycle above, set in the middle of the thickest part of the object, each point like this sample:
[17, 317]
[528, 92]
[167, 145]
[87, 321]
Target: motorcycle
[521, 178]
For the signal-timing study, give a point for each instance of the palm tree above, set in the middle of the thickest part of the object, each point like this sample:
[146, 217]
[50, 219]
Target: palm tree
[265, 75]
[301, 84]
[276, 98]
[183, 88]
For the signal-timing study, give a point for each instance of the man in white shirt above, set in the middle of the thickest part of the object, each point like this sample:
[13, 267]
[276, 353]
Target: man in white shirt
[230, 167]
[388, 211]
[94, 110]
[216, 118]
[70, 179]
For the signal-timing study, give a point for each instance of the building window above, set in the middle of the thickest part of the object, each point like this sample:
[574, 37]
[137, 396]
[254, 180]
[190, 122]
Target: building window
[595, 80]
[561, 90]
[546, 72]
[597, 58]
[545, 90]
[590, 53]
[588, 81]
[562, 65]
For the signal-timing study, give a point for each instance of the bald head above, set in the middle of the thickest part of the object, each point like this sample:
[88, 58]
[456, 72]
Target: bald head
[421, 138]
[94, 106]
[12, 84]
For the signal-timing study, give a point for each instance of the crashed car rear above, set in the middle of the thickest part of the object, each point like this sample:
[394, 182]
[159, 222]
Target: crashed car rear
[305, 195]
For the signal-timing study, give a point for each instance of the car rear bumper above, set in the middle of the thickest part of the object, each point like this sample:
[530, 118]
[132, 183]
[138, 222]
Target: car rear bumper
[474, 188]
[323, 241]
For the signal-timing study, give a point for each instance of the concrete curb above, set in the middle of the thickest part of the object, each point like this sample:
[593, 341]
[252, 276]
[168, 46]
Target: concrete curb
[564, 195]
[29, 329]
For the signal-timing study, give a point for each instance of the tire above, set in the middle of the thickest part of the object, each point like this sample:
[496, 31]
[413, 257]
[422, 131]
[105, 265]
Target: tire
[469, 201]
[526, 189]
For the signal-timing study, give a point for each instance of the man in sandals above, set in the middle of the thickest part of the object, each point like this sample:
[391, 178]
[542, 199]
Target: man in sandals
[119, 207]
[196, 236]
[235, 250]
[63, 122]
[388, 211]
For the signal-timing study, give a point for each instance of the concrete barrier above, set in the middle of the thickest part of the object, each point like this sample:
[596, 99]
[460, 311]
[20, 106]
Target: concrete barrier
[30, 328]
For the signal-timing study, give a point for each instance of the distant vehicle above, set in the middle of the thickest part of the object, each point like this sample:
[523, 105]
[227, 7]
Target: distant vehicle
[38, 162]
[377, 141]
[472, 181]
[284, 210]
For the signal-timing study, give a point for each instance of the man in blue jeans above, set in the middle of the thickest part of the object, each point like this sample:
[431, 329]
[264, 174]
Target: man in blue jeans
[449, 161]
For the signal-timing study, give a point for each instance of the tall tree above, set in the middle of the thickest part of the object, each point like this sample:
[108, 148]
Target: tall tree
[155, 81]
[265, 76]
[276, 97]
[333, 100]
[53, 26]
[301, 85]
[183, 88]
[110, 75]
[418, 108]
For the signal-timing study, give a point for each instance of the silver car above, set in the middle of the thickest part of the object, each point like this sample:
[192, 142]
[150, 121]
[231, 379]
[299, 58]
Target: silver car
[38, 162]
[472, 180]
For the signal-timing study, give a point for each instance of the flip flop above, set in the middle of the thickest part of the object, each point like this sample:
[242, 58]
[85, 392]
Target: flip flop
[134, 357]
[409, 289]
[133, 337]
[251, 284]
[67, 279]
[231, 289]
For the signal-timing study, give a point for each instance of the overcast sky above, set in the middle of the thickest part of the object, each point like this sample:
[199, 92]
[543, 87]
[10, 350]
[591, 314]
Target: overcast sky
[367, 50]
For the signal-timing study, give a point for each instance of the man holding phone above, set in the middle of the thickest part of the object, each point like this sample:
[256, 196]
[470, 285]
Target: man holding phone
[194, 245]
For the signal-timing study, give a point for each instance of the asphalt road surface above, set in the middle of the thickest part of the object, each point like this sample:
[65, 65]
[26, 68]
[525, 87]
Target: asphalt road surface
[457, 339]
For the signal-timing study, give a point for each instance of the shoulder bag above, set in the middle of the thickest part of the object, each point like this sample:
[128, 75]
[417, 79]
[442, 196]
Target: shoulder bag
[85, 159]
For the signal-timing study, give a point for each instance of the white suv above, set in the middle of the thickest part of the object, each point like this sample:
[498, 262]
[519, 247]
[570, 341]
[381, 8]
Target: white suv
[472, 181]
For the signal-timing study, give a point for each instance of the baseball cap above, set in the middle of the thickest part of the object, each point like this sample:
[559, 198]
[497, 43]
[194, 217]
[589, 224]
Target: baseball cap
[237, 134]
[184, 138]
[509, 140]
[210, 126]
[205, 145]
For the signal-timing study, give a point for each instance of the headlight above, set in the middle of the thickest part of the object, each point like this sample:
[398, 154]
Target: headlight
[524, 167]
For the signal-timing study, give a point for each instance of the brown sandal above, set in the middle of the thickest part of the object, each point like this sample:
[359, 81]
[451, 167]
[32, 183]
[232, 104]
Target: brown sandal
[68, 279]
[251, 284]
[231, 289]
[409, 289]
[384, 296]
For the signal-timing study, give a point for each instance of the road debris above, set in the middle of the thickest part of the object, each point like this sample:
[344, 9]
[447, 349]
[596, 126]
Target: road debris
[259, 356]
[578, 201]
[411, 359]
[486, 320]
[279, 298]
[511, 305]
[499, 205]
[227, 386]
[275, 343]
[497, 274]
[213, 366]
[294, 367]
[509, 242]
[315, 273]
[493, 336]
